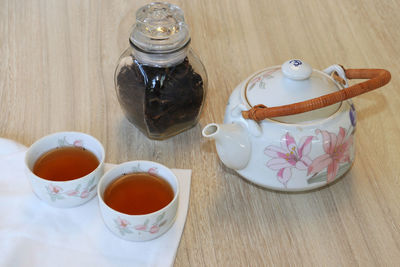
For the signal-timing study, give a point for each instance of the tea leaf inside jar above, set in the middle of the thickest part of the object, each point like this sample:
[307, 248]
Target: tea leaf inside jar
[160, 101]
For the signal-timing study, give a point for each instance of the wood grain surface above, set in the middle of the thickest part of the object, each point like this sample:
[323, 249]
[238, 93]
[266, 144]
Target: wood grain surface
[56, 73]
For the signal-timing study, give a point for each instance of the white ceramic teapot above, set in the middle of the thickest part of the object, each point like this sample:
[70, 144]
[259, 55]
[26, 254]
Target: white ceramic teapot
[291, 128]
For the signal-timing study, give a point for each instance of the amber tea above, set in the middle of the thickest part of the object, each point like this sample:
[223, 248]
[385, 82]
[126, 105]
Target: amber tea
[138, 193]
[65, 163]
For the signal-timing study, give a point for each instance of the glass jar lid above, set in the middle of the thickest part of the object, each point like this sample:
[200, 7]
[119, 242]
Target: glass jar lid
[160, 28]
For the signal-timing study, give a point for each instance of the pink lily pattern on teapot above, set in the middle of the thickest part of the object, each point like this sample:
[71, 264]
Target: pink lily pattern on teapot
[291, 155]
[337, 150]
[288, 156]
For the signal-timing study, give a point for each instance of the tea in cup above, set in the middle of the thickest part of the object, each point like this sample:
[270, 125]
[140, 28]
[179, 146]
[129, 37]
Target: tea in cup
[138, 200]
[64, 168]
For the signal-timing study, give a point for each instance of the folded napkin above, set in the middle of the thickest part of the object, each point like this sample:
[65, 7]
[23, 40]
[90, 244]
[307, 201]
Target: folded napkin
[33, 233]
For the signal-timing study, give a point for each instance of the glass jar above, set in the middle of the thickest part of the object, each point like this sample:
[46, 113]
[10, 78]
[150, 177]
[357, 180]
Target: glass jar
[160, 83]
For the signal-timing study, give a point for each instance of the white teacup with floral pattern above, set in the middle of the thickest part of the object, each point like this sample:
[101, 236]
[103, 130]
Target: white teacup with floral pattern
[139, 227]
[65, 194]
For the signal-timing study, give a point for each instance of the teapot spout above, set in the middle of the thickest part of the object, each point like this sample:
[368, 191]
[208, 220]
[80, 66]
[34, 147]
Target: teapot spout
[232, 143]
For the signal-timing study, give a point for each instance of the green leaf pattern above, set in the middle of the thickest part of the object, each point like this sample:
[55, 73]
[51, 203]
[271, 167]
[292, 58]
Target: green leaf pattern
[137, 168]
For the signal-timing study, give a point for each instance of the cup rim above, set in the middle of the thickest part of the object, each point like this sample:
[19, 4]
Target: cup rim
[101, 161]
[101, 181]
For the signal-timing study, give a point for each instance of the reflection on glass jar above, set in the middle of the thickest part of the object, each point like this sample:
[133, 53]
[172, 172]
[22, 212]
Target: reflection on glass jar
[160, 82]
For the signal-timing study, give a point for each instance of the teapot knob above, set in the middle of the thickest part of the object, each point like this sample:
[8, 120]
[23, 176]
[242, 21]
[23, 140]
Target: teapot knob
[295, 69]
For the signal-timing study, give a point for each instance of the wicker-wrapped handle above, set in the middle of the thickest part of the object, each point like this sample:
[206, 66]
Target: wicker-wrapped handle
[376, 78]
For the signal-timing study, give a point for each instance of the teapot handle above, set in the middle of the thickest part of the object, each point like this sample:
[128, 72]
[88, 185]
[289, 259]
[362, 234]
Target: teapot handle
[376, 78]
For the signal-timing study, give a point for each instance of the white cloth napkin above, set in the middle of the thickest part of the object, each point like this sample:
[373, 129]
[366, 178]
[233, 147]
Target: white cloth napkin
[33, 233]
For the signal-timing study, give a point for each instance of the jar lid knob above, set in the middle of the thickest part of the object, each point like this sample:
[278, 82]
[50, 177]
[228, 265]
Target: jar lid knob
[160, 27]
[296, 69]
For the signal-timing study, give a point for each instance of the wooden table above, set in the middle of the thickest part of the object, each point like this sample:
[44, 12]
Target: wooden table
[56, 73]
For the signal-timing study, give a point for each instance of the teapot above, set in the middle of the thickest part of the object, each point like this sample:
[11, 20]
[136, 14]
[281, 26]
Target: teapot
[291, 127]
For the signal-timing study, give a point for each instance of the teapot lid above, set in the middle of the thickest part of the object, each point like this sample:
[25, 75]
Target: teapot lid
[294, 81]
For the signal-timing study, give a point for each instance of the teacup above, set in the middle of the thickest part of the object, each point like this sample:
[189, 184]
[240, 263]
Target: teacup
[70, 193]
[145, 226]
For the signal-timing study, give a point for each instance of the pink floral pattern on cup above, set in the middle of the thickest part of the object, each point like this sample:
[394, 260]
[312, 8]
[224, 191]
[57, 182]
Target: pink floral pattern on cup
[125, 226]
[64, 142]
[153, 171]
[56, 192]
[78, 143]
[54, 189]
